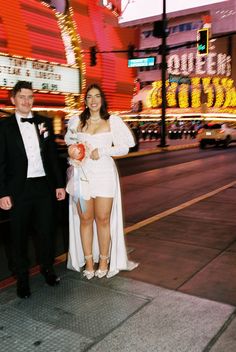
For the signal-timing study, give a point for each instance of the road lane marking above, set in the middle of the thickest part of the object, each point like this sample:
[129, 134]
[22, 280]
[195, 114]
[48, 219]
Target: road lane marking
[168, 212]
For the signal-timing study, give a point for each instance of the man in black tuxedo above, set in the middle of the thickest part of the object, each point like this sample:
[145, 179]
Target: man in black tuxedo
[30, 181]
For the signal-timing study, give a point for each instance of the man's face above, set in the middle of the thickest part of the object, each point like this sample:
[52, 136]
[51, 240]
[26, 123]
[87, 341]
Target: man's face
[23, 101]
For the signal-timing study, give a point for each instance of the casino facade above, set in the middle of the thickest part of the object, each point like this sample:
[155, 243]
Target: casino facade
[51, 48]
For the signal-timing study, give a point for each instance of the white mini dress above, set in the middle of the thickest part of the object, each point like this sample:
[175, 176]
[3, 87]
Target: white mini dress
[100, 173]
[99, 178]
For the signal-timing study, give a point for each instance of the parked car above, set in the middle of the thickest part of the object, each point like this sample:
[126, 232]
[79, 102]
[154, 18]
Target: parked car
[216, 134]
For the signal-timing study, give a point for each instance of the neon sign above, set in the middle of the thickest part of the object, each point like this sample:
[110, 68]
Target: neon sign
[212, 64]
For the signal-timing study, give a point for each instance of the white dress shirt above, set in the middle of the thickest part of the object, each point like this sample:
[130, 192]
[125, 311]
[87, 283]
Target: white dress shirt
[31, 143]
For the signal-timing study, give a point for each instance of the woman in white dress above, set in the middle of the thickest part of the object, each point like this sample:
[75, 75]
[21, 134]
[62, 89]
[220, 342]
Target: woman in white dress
[95, 214]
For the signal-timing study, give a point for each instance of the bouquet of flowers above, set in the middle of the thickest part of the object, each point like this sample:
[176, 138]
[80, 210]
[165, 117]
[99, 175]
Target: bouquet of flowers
[78, 152]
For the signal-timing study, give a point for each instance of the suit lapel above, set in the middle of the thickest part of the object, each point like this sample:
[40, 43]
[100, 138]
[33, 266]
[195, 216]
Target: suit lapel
[15, 134]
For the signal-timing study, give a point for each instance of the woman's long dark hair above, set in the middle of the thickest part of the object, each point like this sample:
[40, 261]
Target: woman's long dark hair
[85, 115]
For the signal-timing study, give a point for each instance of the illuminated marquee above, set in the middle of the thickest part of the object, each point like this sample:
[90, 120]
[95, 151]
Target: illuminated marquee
[212, 64]
[45, 76]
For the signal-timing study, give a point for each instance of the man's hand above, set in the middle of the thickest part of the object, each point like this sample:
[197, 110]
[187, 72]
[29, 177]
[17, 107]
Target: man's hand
[5, 203]
[60, 193]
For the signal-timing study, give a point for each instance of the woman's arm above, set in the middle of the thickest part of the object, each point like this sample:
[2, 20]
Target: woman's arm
[116, 150]
[123, 138]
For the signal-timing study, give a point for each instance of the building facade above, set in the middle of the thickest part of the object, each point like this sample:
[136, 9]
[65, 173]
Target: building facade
[192, 79]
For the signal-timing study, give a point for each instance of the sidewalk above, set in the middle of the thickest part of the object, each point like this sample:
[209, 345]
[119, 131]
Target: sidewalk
[116, 315]
[134, 312]
[153, 146]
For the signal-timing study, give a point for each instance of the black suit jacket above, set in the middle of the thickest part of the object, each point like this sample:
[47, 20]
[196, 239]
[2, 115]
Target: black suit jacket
[13, 159]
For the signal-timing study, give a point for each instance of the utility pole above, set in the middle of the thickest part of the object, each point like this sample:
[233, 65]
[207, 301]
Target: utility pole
[163, 77]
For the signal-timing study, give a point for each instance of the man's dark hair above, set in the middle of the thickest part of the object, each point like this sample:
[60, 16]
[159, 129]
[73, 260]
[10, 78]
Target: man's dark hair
[21, 85]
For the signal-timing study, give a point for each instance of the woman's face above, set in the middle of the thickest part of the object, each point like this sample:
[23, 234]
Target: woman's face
[94, 100]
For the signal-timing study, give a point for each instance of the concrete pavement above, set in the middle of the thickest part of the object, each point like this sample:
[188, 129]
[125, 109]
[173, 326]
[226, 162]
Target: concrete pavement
[119, 314]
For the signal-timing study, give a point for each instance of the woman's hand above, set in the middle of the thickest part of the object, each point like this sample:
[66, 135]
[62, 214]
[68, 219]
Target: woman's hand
[94, 154]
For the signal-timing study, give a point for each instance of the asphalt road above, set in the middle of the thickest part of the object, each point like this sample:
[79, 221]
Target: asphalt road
[136, 165]
[162, 181]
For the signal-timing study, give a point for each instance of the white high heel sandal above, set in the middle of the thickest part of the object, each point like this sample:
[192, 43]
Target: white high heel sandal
[101, 273]
[88, 273]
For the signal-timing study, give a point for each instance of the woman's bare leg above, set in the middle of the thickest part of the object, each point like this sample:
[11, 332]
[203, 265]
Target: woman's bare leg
[102, 213]
[86, 231]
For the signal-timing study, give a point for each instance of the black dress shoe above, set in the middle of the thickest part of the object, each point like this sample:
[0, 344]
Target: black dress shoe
[23, 289]
[50, 277]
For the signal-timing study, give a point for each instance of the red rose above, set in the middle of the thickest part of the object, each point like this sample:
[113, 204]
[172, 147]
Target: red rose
[77, 151]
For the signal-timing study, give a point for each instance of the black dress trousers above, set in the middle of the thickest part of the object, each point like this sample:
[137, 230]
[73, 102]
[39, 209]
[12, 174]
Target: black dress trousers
[35, 205]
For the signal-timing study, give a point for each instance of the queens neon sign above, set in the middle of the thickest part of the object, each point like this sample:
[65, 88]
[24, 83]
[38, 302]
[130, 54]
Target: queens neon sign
[211, 64]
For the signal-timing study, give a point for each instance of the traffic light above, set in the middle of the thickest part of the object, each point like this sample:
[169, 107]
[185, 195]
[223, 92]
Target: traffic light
[93, 57]
[202, 41]
[160, 29]
[131, 48]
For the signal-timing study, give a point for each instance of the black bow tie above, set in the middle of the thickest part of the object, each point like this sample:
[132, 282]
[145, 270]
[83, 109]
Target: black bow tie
[30, 120]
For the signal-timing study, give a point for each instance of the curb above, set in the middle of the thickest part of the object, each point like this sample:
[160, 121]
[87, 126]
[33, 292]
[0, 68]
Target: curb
[158, 150]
